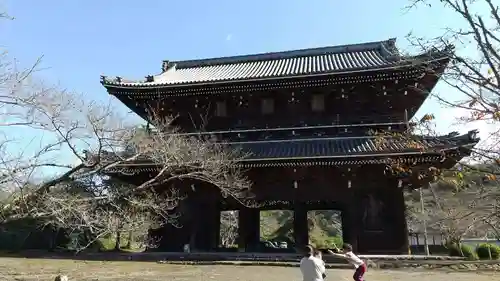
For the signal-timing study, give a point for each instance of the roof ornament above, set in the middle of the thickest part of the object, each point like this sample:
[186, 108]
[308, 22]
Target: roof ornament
[472, 134]
[391, 42]
[390, 50]
[104, 79]
[118, 79]
[166, 65]
[150, 78]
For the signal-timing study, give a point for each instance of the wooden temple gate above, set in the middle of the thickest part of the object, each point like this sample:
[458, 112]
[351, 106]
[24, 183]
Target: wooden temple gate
[307, 119]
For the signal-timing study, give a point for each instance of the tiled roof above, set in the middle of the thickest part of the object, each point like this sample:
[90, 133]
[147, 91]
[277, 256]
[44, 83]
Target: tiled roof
[366, 56]
[337, 151]
[345, 147]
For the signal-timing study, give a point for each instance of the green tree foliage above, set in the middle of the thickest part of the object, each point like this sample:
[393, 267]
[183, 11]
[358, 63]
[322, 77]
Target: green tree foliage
[488, 251]
[325, 227]
[462, 250]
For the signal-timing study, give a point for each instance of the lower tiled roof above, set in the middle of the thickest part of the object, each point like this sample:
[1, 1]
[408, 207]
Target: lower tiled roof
[338, 151]
[344, 147]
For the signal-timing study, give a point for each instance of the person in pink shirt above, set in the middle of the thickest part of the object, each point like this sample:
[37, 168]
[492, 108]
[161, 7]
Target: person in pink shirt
[359, 264]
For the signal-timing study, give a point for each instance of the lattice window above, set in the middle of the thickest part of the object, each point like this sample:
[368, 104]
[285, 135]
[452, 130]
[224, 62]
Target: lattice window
[221, 109]
[267, 106]
[318, 103]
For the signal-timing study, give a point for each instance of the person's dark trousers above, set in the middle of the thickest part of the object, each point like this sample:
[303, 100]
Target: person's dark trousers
[359, 273]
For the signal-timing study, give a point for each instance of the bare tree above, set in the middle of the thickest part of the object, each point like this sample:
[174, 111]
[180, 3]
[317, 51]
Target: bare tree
[474, 72]
[229, 228]
[5, 15]
[473, 76]
[456, 208]
[57, 150]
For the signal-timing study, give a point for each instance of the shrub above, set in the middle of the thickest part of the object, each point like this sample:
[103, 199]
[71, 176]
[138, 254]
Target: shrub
[483, 251]
[332, 241]
[462, 250]
[326, 242]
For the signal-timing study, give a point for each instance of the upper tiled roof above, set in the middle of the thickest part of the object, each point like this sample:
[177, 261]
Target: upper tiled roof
[346, 58]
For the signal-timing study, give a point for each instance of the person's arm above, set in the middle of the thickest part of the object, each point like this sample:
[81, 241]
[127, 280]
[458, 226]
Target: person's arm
[343, 256]
[340, 255]
[337, 255]
[321, 265]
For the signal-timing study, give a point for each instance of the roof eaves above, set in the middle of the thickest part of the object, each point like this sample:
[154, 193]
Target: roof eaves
[407, 62]
[379, 156]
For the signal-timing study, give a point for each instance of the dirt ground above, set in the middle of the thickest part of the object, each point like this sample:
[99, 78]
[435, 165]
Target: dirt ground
[38, 269]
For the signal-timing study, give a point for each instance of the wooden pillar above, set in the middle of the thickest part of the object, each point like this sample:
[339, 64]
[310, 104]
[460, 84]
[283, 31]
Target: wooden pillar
[300, 225]
[241, 230]
[217, 226]
[249, 229]
[381, 218]
[207, 226]
[204, 217]
[401, 242]
[171, 237]
[349, 225]
[174, 238]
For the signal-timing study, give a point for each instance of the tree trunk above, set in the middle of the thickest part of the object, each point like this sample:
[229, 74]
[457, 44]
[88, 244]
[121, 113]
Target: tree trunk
[426, 240]
[129, 240]
[118, 240]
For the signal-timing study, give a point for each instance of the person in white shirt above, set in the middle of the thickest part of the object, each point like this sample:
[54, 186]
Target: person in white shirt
[312, 268]
[319, 255]
[359, 265]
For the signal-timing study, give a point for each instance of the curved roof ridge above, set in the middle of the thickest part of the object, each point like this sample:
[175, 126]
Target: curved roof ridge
[387, 45]
[354, 58]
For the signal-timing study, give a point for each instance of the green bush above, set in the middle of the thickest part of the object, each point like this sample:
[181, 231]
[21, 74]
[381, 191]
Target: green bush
[462, 250]
[326, 242]
[333, 241]
[483, 251]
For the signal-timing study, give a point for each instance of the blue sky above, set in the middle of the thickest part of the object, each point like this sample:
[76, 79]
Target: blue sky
[81, 40]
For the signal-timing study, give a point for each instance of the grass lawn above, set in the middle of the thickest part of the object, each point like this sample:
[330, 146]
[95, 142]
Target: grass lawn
[47, 269]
